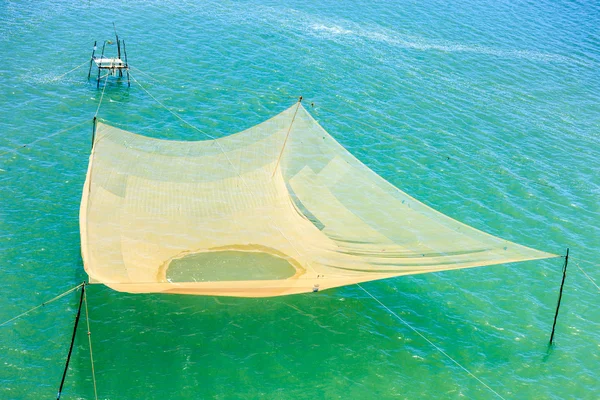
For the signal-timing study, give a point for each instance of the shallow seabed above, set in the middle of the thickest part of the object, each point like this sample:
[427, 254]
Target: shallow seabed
[486, 110]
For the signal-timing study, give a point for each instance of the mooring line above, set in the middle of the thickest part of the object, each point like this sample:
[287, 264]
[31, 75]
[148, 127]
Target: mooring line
[172, 112]
[68, 72]
[43, 304]
[253, 92]
[430, 342]
[144, 73]
[101, 96]
[14, 150]
[442, 154]
[587, 276]
[286, 137]
[89, 335]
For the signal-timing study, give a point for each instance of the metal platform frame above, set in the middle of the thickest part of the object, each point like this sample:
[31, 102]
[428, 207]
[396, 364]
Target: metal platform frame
[110, 65]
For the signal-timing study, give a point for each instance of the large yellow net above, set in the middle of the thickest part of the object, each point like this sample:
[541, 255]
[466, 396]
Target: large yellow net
[277, 209]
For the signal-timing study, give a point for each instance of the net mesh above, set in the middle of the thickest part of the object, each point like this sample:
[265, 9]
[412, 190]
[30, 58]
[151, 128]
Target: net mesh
[277, 209]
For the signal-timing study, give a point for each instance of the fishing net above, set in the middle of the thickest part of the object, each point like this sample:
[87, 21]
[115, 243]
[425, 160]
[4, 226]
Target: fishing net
[277, 209]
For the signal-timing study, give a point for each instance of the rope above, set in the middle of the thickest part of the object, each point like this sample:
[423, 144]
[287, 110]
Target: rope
[101, 97]
[68, 72]
[143, 73]
[14, 150]
[251, 91]
[43, 304]
[89, 335]
[587, 276]
[62, 382]
[442, 154]
[172, 112]
[286, 137]
[430, 342]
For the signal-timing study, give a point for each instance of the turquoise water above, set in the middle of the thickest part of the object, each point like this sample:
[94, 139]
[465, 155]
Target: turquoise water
[486, 110]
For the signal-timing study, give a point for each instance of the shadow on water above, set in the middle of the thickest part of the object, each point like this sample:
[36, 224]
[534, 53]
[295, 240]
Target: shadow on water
[156, 343]
[153, 335]
[295, 338]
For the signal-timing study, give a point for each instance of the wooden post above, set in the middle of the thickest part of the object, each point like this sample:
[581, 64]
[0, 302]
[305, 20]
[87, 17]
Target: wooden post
[92, 60]
[118, 49]
[560, 295]
[126, 64]
[118, 42]
[119, 55]
[100, 64]
[62, 382]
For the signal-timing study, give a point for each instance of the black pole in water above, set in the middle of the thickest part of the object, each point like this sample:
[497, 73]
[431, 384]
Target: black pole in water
[92, 61]
[118, 43]
[62, 382]
[560, 295]
[126, 64]
[118, 50]
[100, 65]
